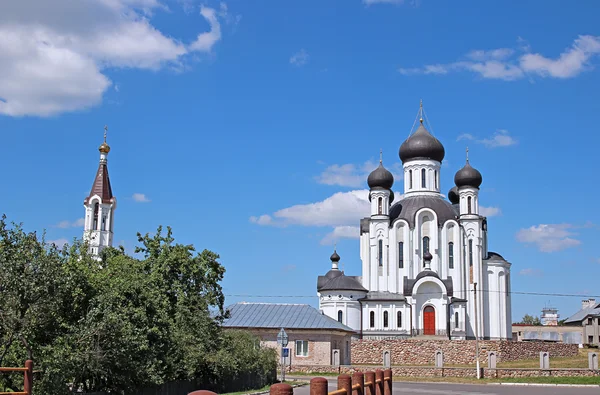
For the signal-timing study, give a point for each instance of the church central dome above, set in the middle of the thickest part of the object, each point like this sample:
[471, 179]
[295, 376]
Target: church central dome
[421, 145]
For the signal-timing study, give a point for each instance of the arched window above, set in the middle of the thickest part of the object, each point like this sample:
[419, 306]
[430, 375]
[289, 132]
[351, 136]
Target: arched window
[425, 244]
[385, 319]
[422, 178]
[340, 316]
[379, 205]
[456, 319]
[469, 205]
[399, 320]
[103, 222]
[451, 255]
[96, 208]
[380, 257]
[410, 179]
[400, 255]
[372, 319]
[470, 252]
[436, 179]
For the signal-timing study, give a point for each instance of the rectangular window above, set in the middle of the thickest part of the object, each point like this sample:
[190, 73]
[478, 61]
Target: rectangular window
[451, 255]
[589, 321]
[380, 257]
[410, 179]
[425, 244]
[436, 179]
[471, 252]
[590, 339]
[302, 348]
[423, 178]
[103, 223]
[400, 255]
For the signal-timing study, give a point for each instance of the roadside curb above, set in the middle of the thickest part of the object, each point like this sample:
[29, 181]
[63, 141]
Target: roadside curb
[548, 385]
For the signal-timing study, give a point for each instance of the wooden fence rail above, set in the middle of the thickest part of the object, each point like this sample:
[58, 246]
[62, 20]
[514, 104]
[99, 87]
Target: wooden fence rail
[378, 382]
[27, 378]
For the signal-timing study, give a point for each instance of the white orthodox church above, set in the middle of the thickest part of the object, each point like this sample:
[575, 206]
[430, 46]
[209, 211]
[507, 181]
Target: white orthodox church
[100, 208]
[426, 268]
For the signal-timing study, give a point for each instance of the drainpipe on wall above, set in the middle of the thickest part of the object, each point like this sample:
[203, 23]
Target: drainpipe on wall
[361, 319]
[410, 328]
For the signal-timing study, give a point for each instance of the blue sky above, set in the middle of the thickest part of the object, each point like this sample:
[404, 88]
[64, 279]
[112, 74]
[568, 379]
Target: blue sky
[250, 126]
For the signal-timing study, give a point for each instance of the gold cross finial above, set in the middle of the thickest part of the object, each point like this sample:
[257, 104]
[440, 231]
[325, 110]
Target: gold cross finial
[380, 156]
[467, 154]
[421, 111]
[105, 130]
[335, 246]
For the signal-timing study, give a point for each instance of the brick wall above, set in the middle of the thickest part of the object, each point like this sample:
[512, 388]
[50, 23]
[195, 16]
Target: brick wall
[421, 352]
[320, 344]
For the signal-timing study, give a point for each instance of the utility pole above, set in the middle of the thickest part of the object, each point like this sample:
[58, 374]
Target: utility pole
[476, 331]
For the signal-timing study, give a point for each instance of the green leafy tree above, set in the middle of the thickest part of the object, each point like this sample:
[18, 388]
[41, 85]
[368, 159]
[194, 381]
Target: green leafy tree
[530, 320]
[120, 324]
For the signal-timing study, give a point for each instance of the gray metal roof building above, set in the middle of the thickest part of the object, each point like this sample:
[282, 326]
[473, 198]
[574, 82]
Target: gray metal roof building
[278, 315]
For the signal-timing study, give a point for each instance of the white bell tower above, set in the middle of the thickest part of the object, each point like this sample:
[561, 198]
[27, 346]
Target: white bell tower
[100, 207]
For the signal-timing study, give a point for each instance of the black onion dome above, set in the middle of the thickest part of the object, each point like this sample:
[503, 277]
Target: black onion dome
[380, 178]
[421, 145]
[427, 256]
[468, 177]
[335, 257]
[453, 195]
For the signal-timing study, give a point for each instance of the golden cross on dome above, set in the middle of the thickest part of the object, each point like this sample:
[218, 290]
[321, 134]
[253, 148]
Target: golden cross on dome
[421, 111]
[380, 155]
[467, 154]
[105, 130]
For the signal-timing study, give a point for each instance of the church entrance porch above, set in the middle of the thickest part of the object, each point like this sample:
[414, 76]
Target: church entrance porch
[429, 321]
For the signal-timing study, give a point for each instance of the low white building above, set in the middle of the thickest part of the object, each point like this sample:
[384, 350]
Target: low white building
[426, 268]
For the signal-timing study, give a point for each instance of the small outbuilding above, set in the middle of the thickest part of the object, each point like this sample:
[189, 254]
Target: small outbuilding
[313, 338]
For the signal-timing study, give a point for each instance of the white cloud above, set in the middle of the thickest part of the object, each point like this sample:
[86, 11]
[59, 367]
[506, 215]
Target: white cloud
[54, 54]
[500, 138]
[489, 211]
[58, 242]
[140, 198]
[68, 224]
[300, 58]
[502, 63]
[549, 237]
[341, 232]
[342, 208]
[531, 272]
[351, 175]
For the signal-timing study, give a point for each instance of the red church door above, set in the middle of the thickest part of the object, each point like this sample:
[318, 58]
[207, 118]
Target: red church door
[429, 321]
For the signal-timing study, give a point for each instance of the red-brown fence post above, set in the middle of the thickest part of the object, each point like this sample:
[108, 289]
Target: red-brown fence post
[378, 382]
[319, 386]
[28, 377]
[281, 389]
[370, 378]
[387, 382]
[359, 378]
[345, 383]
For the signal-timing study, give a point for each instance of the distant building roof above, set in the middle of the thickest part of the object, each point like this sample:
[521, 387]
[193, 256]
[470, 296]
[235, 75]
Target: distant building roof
[581, 314]
[276, 315]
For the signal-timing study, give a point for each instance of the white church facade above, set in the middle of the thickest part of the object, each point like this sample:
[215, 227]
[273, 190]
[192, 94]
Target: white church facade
[426, 267]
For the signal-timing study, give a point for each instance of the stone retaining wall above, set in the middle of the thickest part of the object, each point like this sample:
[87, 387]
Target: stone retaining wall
[427, 371]
[456, 352]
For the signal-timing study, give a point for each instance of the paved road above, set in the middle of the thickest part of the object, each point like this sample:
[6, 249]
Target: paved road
[470, 389]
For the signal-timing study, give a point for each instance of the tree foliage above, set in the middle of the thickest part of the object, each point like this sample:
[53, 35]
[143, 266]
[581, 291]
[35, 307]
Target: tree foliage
[118, 324]
[530, 320]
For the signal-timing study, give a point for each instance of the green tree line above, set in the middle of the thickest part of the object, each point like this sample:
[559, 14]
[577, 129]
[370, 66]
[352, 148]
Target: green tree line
[118, 324]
